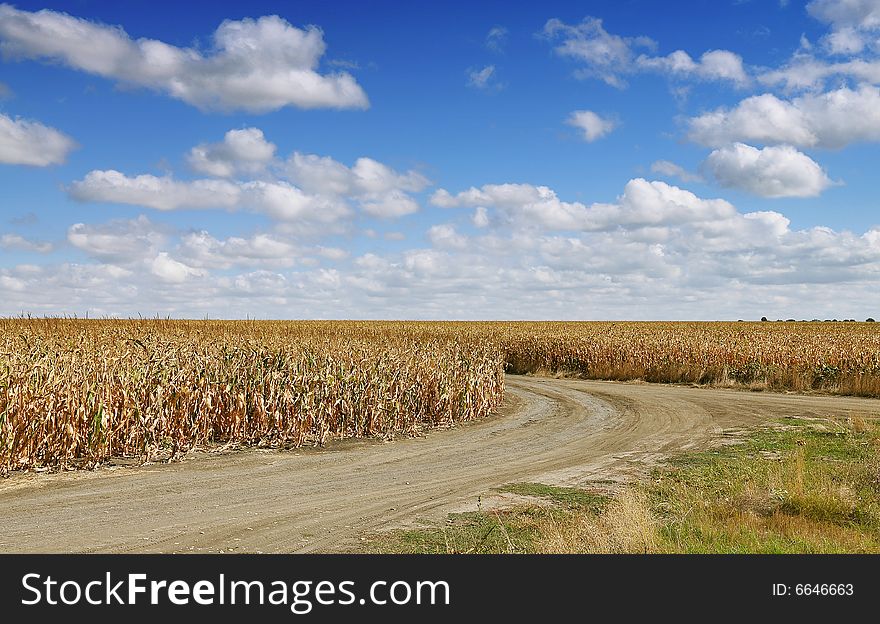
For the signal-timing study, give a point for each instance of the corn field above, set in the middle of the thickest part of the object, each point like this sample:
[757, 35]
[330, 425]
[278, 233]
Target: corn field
[74, 393]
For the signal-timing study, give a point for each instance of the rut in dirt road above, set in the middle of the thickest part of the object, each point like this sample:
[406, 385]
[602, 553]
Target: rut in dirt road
[564, 432]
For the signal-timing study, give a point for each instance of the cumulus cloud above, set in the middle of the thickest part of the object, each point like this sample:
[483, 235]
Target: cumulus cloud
[322, 174]
[257, 65]
[445, 236]
[670, 169]
[26, 142]
[170, 270]
[201, 250]
[863, 14]
[591, 125]
[332, 253]
[304, 191]
[278, 200]
[20, 243]
[611, 58]
[241, 151]
[779, 171]
[285, 202]
[390, 205]
[308, 189]
[806, 72]
[853, 23]
[537, 256]
[832, 119]
[712, 65]
[642, 203]
[377, 188]
[161, 193]
[120, 241]
[846, 53]
[602, 55]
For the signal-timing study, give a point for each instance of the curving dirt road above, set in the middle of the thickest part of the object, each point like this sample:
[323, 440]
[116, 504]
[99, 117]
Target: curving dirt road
[554, 431]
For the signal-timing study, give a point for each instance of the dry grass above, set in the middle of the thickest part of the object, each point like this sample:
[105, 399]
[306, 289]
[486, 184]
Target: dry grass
[831, 357]
[807, 488]
[74, 393]
[626, 525]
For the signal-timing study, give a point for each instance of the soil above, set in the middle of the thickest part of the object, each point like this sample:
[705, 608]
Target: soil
[555, 431]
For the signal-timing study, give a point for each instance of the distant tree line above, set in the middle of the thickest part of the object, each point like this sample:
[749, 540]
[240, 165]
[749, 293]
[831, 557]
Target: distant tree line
[764, 319]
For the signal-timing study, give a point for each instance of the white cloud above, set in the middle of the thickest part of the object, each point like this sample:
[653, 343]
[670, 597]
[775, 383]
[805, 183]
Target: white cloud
[200, 249]
[390, 205]
[445, 236]
[780, 171]
[537, 256]
[254, 65]
[371, 176]
[321, 193]
[241, 151]
[853, 24]
[611, 57]
[713, 65]
[305, 190]
[603, 55]
[482, 78]
[170, 270]
[847, 13]
[670, 169]
[161, 193]
[278, 200]
[379, 190]
[119, 241]
[480, 217]
[496, 39]
[806, 72]
[591, 125]
[845, 41]
[20, 243]
[285, 202]
[832, 119]
[332, 253]
[643, 203]
[24, 142]
[367, 177]
[523, 204]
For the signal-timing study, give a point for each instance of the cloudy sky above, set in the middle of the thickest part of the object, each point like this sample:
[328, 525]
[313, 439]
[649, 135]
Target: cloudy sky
[553, 160]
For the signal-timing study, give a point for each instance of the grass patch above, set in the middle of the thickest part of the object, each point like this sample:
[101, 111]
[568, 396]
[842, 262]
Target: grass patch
[805, 487]
[570, 498]
[800, 486]
[517, 529]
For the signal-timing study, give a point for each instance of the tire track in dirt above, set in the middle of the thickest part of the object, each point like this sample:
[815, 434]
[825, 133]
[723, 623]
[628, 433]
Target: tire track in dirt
[557, 431]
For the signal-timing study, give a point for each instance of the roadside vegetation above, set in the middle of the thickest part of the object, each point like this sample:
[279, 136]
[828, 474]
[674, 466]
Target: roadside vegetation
[798, 486]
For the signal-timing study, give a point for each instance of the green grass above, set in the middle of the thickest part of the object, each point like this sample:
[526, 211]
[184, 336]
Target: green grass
[510, 530]
[799, 486]
[570, 498]
[808, 487]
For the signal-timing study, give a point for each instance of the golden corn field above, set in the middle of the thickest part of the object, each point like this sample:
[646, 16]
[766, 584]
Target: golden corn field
[74, 393]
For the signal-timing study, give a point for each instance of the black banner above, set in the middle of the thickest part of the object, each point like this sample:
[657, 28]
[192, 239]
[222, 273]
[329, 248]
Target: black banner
[430, 588]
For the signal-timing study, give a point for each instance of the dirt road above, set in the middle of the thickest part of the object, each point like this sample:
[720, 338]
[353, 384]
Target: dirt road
[564, 432]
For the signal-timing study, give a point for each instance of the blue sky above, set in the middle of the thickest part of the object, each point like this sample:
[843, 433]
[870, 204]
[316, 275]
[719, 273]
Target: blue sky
[481, 160]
